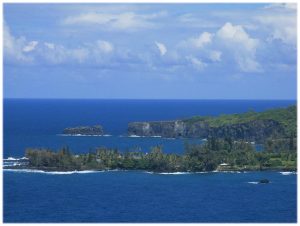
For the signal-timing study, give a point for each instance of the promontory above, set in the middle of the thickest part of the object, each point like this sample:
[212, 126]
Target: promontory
[249, 126]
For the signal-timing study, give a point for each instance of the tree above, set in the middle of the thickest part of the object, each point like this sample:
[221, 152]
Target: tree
[262, 158]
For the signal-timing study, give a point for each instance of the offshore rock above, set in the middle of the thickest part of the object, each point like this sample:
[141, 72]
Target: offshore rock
[84, 130]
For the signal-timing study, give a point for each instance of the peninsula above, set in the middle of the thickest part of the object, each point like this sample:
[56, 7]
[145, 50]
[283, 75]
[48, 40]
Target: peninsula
[250, 126]
[214, 154]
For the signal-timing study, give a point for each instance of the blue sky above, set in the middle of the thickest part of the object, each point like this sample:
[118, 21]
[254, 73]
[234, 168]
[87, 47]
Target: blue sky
[153, 51]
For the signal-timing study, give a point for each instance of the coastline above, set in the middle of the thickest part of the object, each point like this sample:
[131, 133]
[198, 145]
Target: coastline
[54, 169]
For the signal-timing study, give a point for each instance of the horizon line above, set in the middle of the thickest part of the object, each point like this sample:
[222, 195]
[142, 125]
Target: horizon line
[47, 98]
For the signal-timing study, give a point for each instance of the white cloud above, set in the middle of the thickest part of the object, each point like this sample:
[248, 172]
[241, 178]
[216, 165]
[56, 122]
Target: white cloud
[51, 54]
[230, 42]
[237, 42]
[280, 22]
[203, 39]
[49, 45]
[289, 6]
[161, 47]
[247, 64]
[281, 26]
[236, 34]
[215, 55]
[91, 53]
[196, 63]
[122, 21]
[30, 46]
[18, 50]
[104, 46]
[292, 6]
[13, 47]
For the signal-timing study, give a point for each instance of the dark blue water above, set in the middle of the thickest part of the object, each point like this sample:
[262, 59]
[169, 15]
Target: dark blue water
[132, 196]
[36, 123]
[142, 197]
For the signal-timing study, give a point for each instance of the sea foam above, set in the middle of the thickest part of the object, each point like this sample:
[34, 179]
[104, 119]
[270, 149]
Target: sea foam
[253, 182]
[83, 135]
[288, 173]
[52, 172]
[10, 159]
[168, 173]
[15, 159]
[175, 173]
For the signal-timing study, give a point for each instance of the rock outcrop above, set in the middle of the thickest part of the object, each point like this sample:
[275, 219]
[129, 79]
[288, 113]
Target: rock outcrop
[84, 130]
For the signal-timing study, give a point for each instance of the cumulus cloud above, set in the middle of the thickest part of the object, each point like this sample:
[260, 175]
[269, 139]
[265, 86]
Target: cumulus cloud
[19, 50]
[50, 53]
[280, 20]
[96, 52]
[13, 47]
[202, 40]
[284, 28]
[237, 34]
[198, 64]
[237, 41]
[230, 42]
[122, 21]
[161, 47]
[230, 46]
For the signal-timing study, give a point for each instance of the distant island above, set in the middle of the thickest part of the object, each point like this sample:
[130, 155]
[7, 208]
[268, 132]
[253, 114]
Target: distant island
[84, 130]
[228, 146]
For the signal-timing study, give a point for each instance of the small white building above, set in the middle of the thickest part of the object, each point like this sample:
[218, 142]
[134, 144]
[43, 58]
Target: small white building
[224, 164]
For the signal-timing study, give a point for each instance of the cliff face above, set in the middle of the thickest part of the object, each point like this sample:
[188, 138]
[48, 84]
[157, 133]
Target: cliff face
[84, 130]
[251, 126]
[257, 130]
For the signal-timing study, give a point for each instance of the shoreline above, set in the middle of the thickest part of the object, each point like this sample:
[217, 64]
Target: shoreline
[49, 170]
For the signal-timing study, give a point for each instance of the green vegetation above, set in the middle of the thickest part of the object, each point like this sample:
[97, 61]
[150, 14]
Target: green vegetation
[84, 130]
[280, 123]
[215, 154]
[285, 116]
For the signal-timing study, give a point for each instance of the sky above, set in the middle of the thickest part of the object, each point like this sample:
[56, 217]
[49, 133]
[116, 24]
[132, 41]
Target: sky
[150, 51]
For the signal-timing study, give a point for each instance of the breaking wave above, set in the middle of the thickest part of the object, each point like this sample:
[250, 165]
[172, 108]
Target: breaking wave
[52, 172]
[288, 173]
[83, 135]
[15, 159]
[253, 182]
[175, 173]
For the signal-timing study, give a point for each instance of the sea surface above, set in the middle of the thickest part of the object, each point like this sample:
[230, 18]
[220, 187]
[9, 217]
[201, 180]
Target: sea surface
[132, 196]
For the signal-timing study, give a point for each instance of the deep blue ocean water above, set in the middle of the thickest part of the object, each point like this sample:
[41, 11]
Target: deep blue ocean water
[132, 196]
[144, 197]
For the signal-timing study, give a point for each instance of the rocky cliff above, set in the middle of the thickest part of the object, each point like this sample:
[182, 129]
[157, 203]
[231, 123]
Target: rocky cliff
[249, 126]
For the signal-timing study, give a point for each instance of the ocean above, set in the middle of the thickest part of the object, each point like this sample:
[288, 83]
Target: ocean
[132, 196]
